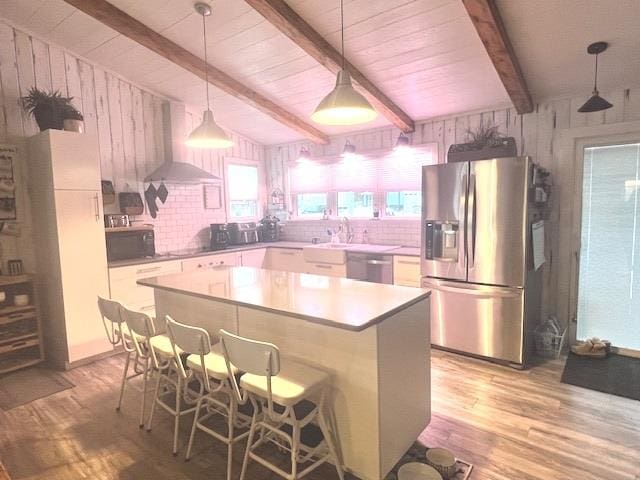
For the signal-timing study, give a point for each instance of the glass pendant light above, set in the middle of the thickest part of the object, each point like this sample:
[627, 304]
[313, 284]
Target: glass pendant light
[596, 103]
[208, 134]
[343, 106]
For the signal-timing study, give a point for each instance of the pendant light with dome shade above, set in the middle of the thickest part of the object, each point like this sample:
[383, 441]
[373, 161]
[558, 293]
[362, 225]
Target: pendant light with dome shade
[596, 103]
[343, 105]
[208, 134]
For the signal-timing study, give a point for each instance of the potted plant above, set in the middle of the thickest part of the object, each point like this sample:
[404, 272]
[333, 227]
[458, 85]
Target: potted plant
[48, 108]
[73, 119]
[486, 142]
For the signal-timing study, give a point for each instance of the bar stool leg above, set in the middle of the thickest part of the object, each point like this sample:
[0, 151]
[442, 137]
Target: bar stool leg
[124, 380]
[230, 431]
[326, 433]
[193, 428]
[155, 399]
[252, 432]
[144, 392]
[295, 446]
[176, 420]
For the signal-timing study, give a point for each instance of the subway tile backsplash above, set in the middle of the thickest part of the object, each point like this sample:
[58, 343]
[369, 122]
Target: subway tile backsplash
[182, 221]
[386, 232]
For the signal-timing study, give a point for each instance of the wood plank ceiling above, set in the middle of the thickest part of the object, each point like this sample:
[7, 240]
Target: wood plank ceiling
[424, 54]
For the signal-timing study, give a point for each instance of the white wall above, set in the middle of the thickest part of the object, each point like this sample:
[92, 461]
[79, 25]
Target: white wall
[125, 119]
[534, 134]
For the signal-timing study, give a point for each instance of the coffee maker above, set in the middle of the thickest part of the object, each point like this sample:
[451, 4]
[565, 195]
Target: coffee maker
[219, 236]
[269, 229]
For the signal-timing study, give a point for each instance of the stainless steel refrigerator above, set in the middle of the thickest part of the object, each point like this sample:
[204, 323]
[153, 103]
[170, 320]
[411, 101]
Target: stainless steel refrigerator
[476, 257]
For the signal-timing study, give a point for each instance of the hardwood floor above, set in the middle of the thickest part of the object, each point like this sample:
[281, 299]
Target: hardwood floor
[512, 425]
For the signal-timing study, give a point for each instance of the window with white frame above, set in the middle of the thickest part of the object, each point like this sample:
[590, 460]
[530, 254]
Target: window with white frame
[243, 191]
[357, 186]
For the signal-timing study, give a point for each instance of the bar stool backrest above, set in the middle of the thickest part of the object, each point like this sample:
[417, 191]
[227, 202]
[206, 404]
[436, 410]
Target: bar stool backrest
[141, 326]
[189, 340]
[250, 356]
[110, 310]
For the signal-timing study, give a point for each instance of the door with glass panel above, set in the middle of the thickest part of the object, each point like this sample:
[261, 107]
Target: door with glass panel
[609, 266]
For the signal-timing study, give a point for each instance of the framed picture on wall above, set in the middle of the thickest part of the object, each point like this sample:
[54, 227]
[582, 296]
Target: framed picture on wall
[8, 153]
[212, 197]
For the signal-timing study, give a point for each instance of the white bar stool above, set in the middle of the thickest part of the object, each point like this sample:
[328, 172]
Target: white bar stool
[279, 393]
[118, 334]
[165, 365]
[208, 367]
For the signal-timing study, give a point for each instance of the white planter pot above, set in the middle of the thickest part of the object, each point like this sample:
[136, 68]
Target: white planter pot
[74, 125]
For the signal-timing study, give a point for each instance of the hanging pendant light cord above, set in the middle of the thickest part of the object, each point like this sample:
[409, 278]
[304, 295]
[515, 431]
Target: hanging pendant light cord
[595, 80]
[206, 63]
[342, 30]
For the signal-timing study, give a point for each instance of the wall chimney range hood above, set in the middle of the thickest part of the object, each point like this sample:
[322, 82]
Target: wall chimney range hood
[174, 170]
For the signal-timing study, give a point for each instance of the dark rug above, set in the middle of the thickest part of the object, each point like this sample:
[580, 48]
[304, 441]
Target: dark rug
[616, 374]
[25, 386]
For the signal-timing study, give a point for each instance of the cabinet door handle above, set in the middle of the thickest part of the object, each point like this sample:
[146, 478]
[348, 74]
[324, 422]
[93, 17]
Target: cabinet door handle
[148, 270]
[97, 207]
[287, 253]
[328, 267]
[407, 262]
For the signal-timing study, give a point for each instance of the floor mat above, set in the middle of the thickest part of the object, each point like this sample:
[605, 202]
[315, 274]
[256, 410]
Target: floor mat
[617, 374]
[417, 453]
[25, 386]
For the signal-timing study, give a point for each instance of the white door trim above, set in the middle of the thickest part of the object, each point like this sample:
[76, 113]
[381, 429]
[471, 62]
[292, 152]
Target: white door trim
[568, 146]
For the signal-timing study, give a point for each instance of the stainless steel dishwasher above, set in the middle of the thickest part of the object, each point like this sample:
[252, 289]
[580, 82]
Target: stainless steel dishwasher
[370, 267]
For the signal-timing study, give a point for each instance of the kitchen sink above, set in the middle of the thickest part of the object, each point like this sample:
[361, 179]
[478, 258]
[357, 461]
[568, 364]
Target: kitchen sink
[336, 253]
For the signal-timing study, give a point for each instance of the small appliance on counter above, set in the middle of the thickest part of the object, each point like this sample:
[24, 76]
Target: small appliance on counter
[131, 242]
[117, 220]
[242, 233]
[218, 236]
[269, 229]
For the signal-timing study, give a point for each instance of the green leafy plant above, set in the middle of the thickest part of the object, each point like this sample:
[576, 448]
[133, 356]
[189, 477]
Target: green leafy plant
[485, 136]
[48, 108]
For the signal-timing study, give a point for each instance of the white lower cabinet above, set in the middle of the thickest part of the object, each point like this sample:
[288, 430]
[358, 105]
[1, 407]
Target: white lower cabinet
[253, 258]
[328, 269]
[125, 289]
[406, 271]
[285, 259]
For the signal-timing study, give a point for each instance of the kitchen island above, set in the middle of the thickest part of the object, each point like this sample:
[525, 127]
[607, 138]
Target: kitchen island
[372, 339]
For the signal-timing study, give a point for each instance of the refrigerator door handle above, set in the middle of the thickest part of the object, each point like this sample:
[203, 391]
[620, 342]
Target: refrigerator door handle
[471, 222]
[471, 289]
[462, 215]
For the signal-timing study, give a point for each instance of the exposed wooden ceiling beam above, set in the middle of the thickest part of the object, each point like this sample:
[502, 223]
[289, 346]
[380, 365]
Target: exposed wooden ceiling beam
[285, 19]
[488, 22]
[130, 27]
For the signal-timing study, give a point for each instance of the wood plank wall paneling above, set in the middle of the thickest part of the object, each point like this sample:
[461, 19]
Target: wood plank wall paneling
[125, 119]
[534, 134]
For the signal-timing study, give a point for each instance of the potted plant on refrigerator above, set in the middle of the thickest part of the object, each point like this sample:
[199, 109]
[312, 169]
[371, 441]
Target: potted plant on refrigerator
[48, 108]
[486, 142]
[73, 119]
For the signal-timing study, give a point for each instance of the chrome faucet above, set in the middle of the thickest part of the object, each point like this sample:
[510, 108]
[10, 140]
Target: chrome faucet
[347, 230]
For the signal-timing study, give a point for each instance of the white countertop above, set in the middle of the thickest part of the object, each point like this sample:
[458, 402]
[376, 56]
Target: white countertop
[337, 302]
[185, 254]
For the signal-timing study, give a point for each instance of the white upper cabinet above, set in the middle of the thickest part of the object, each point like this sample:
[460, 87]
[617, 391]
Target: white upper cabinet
[74, 158]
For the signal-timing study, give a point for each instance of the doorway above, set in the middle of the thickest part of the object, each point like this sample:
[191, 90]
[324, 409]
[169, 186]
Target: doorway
[609, 264]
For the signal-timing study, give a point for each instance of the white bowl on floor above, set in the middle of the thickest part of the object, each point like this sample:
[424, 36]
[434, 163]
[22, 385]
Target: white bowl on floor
[418, 471]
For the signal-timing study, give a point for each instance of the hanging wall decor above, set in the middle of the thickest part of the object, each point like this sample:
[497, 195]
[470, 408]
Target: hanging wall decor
[8, 153]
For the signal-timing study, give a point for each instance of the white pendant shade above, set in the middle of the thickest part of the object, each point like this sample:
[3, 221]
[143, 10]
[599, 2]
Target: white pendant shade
[209, 134]
[343, 106]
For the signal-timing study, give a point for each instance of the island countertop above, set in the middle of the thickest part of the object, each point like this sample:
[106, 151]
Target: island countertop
[337, 302]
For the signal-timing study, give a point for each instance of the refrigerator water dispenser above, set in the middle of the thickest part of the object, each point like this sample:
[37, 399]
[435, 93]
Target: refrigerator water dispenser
[441, 240]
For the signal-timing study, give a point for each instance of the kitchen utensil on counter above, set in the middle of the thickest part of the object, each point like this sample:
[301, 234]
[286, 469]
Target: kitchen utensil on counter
[116, 220]
[108, 192]
[14, 267]
[21, 300]
[243, 233]
[131, 203]
[219, 236]
[162, 193]
[443, 461]
[418, 471]
[269, 229]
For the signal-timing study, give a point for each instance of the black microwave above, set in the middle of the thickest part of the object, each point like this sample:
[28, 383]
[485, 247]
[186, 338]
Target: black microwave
[125, 243]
